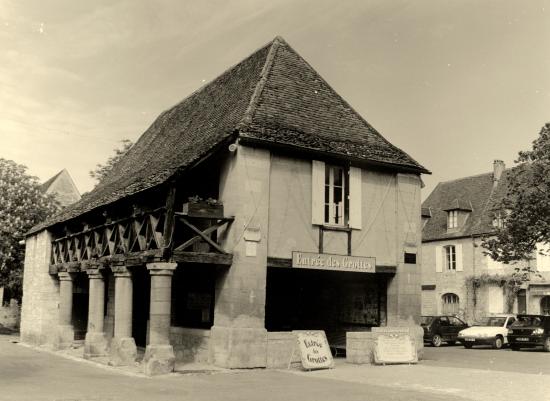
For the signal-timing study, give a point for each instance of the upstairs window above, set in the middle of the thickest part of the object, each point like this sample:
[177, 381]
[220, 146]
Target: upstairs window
[450, 257]
[335, 195]
[452, 219]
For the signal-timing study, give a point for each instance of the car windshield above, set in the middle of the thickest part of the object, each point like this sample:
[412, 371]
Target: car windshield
[426, 320]
[524, 321]
[493, 321]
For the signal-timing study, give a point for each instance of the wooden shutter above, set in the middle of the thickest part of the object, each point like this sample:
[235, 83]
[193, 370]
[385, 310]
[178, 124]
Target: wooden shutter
[355, 201]
[458, 249]
[438, 259]
[317, 192]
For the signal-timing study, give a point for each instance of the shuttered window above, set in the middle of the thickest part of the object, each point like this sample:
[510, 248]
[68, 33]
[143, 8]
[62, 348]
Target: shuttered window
[336, 195]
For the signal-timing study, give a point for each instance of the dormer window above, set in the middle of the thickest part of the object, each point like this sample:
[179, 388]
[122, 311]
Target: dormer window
[452, 219]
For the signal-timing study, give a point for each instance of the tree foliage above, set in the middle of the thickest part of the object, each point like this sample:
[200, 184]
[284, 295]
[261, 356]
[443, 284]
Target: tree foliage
[102, 170]
[526, 205]
[22, 205]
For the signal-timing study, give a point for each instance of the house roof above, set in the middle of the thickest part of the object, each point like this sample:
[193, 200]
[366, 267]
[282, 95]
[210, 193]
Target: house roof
[62, 187]
[477, 193]
[272, 97]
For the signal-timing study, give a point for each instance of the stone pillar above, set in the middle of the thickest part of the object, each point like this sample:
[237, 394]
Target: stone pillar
[65, 332]
[123, 345]
[95, 343]
[159, 355]
[238, 338]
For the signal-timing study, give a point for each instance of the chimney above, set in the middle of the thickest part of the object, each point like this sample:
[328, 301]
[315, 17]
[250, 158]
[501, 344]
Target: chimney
[498, 168]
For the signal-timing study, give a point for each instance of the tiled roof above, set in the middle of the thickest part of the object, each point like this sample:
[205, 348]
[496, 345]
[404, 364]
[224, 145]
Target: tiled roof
[477, 192]
[272, 96]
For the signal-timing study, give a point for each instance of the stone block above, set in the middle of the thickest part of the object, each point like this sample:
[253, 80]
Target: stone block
[159, 360]
[123, 351]
[360, 347]
[95, 344]
[238, 347]
[282, 349]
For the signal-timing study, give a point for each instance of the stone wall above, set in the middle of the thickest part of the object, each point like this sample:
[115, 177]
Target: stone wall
[190, 345]
[39, 312]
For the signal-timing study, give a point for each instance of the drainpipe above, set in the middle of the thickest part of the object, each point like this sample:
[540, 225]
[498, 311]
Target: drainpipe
[474, 275]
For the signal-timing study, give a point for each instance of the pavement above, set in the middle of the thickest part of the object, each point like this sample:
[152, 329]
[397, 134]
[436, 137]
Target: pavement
[39, 375]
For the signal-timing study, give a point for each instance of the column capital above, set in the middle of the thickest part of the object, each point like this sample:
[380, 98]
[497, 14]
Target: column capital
[121, 271]
[94, 273]
[161, 268]
[65, 276]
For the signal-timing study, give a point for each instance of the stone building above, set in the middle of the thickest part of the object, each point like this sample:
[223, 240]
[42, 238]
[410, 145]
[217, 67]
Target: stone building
[457, 276]
[261, 204]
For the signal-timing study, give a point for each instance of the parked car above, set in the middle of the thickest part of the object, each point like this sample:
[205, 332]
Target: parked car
[439, 329]
[493, 330]
[530, 331]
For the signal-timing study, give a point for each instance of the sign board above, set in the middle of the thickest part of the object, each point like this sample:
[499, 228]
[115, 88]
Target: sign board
[326, 261]
[539, 292]
[395, 348]
[314, 350]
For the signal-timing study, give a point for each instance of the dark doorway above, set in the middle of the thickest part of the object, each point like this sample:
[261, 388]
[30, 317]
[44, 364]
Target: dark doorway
[141, 300]
[80, 305]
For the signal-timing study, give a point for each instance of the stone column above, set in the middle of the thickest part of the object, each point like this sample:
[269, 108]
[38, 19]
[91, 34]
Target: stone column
[65, 332]
[123, 345]
[159, 355]
[95, 343]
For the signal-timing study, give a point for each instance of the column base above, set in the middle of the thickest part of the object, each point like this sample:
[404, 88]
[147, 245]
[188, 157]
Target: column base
[159, 360]
[95, 344]
[64, 337]
[238, 347]
[123, 351]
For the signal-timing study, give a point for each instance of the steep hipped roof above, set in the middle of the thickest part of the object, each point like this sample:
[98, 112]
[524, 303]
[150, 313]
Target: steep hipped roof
[63, 188]
[477, 192]
[272, 96]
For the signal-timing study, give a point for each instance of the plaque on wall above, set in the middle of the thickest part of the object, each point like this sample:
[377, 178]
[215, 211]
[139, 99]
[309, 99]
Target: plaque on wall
[314, 350]
[395, 348]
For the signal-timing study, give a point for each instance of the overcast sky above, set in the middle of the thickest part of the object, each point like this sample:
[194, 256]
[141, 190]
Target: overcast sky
[455, 84]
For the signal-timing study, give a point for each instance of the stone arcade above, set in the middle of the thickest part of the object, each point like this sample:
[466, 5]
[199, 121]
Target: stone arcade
[185, 251]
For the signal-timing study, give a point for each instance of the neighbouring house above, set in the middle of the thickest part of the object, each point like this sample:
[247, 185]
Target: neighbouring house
[260, 204]
[66, 193]
[63, 188]
[457, 276]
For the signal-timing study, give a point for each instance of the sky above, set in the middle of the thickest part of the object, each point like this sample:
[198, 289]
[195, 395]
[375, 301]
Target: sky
[455, 84]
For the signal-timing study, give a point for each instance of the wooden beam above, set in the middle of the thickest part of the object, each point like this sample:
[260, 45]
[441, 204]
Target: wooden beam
[169, 221]
[202, 235]
[202, 257]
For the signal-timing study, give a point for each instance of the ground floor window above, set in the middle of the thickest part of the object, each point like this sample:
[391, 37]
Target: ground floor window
[451, 304]
[193, 296]
[335, 302]
[545, 306]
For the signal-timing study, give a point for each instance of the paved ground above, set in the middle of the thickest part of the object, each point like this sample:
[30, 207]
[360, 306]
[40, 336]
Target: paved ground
[29, 374]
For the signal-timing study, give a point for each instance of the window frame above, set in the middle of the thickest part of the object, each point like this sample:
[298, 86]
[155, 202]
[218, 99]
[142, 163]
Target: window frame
[450, 258]
[336, 214]
[452, 219]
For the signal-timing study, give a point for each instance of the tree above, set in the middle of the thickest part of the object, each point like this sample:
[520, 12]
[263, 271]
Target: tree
[102, 170]
[526, 205]
[22, 206]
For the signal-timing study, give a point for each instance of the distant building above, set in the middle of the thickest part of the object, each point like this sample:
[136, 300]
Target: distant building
[455, 217]
[62, 185]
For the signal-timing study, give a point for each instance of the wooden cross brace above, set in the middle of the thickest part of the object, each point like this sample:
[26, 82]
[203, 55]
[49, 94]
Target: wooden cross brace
[203, 235]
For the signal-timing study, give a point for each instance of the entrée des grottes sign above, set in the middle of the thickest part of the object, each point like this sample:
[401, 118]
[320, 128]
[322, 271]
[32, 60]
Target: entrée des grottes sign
[326, 261]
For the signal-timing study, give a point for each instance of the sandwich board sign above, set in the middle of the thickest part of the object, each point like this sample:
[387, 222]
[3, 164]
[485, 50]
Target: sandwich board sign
[314, 350]
[395, 348]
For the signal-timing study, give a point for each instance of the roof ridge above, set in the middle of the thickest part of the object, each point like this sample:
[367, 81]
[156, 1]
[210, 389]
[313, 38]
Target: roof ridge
[251, 109]
[474, 175]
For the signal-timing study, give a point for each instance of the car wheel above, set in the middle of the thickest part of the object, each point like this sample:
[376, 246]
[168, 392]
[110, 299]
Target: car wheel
[436, 340]
[451, 342]
[498, 342]
[547, 344]
[514, 347]
[468, 346]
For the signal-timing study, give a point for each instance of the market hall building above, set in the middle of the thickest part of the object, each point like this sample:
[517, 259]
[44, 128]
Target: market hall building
[261, 204]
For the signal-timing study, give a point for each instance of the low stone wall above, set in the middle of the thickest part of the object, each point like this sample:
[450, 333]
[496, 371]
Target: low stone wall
[360, 345]
[10, 315]
[190, 345]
